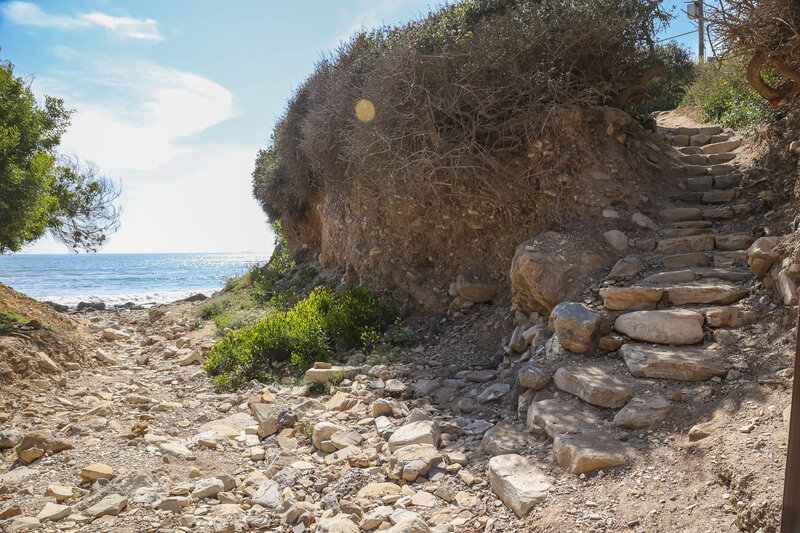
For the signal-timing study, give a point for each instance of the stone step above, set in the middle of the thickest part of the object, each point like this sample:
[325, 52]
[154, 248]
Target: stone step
[729, 242]
[723, 274]
[718, 197]
[693, 224]
[704, 293]
[683, 130]
[557, 416]
[693, 159]
[694, 243]
[700, 183]
[674, 326]
[689, 275]
[727, 181]
[719, 213]
[679, 363]
[690, 150]
[734, 259]
[631, 298]
[680, 214]
[689, 170]
[721, 147]
[586, 452]
[724, 157]
[673, 276]
[671, 233]
[687, 260]
[722, 168]
[594, 383]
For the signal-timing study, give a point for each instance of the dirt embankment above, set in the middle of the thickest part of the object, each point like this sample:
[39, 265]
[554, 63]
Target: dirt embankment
[587, 161]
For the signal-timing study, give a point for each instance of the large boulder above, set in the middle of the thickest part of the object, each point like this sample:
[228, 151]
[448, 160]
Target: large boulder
[576, 325]
[548, 270]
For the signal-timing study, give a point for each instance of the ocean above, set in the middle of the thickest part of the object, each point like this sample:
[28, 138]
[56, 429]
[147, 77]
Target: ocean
[120, 278]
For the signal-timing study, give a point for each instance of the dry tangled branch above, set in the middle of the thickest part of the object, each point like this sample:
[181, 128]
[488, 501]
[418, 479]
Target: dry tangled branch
[766, 31]
[459, 96]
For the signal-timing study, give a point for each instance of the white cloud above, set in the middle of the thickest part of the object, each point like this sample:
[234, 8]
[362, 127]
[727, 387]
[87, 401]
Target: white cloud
[30, 14]
[142, 118]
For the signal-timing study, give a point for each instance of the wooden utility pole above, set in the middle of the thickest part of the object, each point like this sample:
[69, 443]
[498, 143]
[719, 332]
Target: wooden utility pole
[701, 45]
[790, 515]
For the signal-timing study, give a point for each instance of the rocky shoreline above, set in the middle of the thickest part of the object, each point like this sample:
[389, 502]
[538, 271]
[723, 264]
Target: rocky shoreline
[86, 307]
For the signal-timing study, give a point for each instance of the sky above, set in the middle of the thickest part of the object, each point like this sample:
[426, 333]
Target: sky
[174, 99]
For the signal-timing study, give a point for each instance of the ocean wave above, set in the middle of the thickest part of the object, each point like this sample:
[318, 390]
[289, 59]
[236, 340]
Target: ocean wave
[144, 298]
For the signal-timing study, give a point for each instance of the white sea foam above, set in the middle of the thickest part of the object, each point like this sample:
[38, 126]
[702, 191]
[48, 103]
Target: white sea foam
[155, 297]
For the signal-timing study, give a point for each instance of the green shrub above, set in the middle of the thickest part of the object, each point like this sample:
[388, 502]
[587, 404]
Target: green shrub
[315, 329]
[234, 319]
[7, 318]
[722, 95]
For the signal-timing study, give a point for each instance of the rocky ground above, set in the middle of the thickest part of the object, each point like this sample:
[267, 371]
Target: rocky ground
[493, 419]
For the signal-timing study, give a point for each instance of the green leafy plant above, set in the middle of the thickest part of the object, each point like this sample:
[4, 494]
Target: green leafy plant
[7, 318]
[314, 329]
[721, 94]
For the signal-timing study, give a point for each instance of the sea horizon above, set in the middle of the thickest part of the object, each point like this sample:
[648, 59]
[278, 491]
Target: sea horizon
[119, 278]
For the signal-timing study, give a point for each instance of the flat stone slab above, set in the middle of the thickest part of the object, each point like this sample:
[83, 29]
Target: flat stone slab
[113, 504]
[718, 197]
[678, 326]
[721, 147]
[556, 416]
[586, 452]
[693, 243]
[705, 293]
[482, 376]
[517, 482]
[420, 432]
[679, 214]
[687, 260]
[675, 276]
[593, 384]
[503, 438]
[729, 243]
[643, 413]
[631, 298]
[684, 364]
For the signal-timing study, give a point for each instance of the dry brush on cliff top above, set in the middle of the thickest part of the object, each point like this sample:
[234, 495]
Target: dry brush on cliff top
[453, 98]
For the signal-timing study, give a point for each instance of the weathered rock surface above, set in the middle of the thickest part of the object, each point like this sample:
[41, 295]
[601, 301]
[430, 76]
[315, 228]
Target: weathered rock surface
[594, 384]
[662, 327]
[585, 452]
[518, 483]
[503, 438]
[680, 363]
[643, 413]
[576, 326]
[631, 298]
[546, 272]
[762, 255]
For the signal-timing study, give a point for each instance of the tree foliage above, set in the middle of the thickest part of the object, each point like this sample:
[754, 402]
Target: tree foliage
[40, 191]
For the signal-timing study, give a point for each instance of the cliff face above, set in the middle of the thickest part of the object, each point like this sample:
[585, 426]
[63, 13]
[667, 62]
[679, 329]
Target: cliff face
[587, 161]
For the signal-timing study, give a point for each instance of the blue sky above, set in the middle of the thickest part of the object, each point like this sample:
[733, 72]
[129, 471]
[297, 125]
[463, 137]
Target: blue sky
[175, 98]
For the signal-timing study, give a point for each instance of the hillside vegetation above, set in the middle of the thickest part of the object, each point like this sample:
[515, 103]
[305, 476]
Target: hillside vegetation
[422, 152]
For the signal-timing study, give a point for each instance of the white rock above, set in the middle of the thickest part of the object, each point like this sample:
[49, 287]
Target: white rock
[518, 483]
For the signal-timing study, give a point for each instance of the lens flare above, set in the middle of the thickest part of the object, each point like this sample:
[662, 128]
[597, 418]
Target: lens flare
[365, 111]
